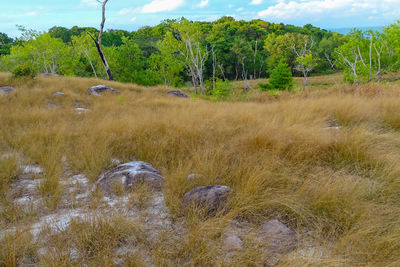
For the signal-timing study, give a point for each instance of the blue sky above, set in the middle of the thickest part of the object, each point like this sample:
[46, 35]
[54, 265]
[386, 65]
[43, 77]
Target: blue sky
[131, 15]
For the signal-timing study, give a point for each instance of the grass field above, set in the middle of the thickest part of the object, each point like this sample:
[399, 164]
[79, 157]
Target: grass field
[338, 189]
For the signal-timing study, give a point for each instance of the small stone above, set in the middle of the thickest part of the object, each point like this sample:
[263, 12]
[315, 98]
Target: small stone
[211, 197]
[57, 94]
[31, 169]
[100, 89]
[232, 242]
[128, 175]
[278, 237]
[82, 110]
[177, 93]
[6, 89]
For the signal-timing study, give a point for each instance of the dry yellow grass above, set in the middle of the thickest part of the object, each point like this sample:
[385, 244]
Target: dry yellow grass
[339, 188]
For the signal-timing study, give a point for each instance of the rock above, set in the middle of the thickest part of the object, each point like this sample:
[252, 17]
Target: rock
[57, 94]
[128, 175]
[31, 169]
[211, 197]
[232, 242]
[82, 110]
[177, 93]
[332, 124]
[6, 89]
[100, 89]
[277, 237]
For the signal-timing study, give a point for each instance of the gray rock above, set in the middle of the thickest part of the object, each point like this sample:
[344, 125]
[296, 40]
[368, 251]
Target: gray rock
[82, 110]
[6, 89]
[277, 237]
[100, 89]
[177, 93]
[211, 197]
[128, 175]
[57, 94]
[232, 242]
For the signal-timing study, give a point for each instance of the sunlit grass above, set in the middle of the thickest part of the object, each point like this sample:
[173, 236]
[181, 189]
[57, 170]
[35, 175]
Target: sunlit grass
[339, 186]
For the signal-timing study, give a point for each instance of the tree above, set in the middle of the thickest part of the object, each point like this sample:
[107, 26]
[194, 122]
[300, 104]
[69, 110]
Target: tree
[305, 61]
[5, 44]
[281, 46]
[361, 55]
[84, 46]
[281, 77]
[98, 41]
[305, 64]
[167, 63]
[45, 54]
[187, 43]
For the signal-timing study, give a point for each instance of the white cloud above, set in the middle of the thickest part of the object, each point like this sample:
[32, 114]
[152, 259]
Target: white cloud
[203, 3]
[90, 3]
[239, 9]
[125, 11]
[256, 2]
[133, 19]
[162, 5]
[31, 14]
[336, 8]
[314, 10]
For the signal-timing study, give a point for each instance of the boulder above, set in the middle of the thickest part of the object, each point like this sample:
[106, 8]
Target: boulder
[57, 94]
[127, 175]
[100, 89]
[6, 89]
[211, 197]
[177, 93]
[277, 237]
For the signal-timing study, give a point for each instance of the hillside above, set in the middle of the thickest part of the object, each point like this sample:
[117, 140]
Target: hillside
[314, 175]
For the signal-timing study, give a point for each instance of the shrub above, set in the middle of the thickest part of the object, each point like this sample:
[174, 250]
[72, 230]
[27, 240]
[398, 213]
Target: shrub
[23, 70]
[281, 78]
[222, 89]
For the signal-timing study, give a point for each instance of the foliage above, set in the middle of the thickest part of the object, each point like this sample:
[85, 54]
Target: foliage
[5, 44]
[281, 78]
[222, 90]
[367, 55]
[243, 50]
[24, 70]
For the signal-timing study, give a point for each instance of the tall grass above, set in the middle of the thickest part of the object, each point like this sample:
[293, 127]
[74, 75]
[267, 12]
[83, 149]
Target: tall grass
[338, 187]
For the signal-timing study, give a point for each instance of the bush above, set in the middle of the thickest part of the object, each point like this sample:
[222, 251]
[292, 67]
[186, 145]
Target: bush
[24, 70]
[222, 89]
[281, 78]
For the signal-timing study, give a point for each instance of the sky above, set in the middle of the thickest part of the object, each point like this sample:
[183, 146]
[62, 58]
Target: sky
[131, 15]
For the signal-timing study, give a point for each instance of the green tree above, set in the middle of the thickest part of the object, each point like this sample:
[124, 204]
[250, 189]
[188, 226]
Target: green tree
[167, 63]
[305, 64]
[281, 77]
[281, 46]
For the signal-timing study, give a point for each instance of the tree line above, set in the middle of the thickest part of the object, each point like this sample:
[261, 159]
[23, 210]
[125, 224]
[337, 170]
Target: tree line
[179, 52]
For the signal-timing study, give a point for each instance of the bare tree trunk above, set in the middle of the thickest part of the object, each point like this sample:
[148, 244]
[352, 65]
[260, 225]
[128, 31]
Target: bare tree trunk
[254, 58]
[98, 41]
[222, 71]
[305, 82]
[214, 65]
[90, 62]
